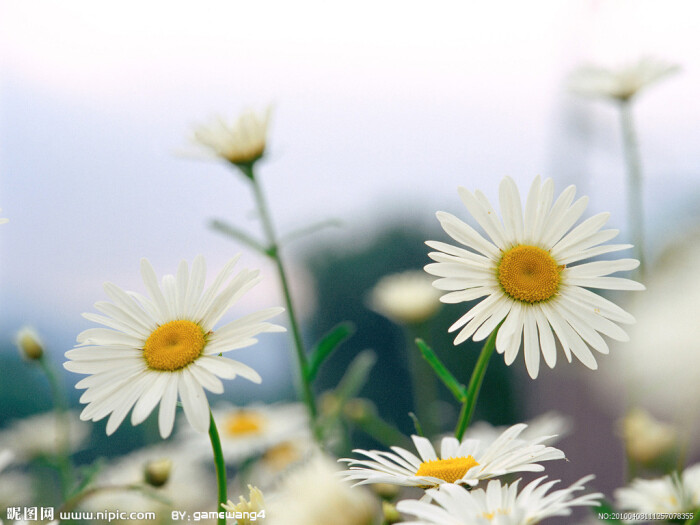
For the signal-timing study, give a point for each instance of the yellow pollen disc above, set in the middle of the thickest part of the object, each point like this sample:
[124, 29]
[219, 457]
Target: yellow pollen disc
[529, 274]
[174, 345]
[244, 423]
[281, 456]
[449, 470]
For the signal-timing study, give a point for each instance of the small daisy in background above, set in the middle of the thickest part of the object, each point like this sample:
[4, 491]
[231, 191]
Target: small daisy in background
[464, 463]
[42, 435]
[253, 430]
[531, 275]
[405, 298]
[672, 493]
[249, 509]
[622, 82]
[241, 143]
[164, 347]
[646, 438]
[549, 424]
[498, 504]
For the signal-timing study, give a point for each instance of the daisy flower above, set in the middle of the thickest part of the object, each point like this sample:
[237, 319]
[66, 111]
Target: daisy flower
[498, 504]
[549, 424]
[252, 430]
[464, 463]
[622, 82]
[241, 143]
[524, 274]
[673, 493]
[159, 348]
[405, 298]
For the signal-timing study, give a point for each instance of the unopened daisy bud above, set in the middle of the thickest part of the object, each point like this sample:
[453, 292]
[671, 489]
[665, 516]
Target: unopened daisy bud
[646, 439]
[29, 343]
[391, 515]
[385, 491]
[355, 409]
[330, 404]
[157, 472]
[241, 143]
[405, 298]
[248, 510]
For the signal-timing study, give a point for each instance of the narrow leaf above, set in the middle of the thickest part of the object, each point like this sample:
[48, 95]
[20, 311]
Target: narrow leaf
[442, 372]
[308, 230]
[356, 375]
[235, 233]
[326, 346]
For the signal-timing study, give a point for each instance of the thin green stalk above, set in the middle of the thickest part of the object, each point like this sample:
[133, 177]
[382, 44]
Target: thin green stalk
[423, 381]
[273, 252]
[64, 463]
[477, 378]
[635, 192]
[220, 467]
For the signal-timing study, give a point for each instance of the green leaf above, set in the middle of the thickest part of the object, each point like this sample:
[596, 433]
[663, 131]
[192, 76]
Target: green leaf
[235, 233]
[326, 346]
[442, 372]
[605, 512]
[356, 375]
[308, 230]
[416, 424]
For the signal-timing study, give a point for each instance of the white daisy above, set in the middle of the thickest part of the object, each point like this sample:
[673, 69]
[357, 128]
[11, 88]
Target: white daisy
[549, 424]
[159, 348]
[621, 82]
[44, 434]
[524, 274]
[405, 297]
[241, 143]
[673, 493]
[645, 437]
[498, 504]
[465, 463]
[254, 429]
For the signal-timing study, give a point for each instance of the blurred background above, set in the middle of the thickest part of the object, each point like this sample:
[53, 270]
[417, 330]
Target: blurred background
[380, 111]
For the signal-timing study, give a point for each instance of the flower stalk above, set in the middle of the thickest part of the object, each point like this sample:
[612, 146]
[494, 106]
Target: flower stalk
[274, 253]
[474, 386]
[220, 467]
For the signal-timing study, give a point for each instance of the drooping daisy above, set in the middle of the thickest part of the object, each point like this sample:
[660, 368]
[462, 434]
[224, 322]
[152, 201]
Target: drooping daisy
[159, 348]
[549, 424]
[673, 493]
[252, 430]
[524, 273]
[241, 143]
[622, 82]
[464, 463]
[405, 298]
[498, 504]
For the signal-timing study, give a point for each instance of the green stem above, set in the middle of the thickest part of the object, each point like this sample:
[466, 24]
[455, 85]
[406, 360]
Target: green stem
[423, 381]
[635, 195]
[64, 463]
[477, 378]
[273, 252]
[220, 466]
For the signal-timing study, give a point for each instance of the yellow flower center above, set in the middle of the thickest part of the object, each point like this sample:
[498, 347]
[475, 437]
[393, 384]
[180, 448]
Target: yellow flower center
[449, 470]
[174, 345]
[529, 274]
[282, 455]
[243, 423]
[490, 515]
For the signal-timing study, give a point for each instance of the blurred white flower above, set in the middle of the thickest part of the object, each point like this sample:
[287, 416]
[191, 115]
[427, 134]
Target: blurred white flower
[405, 298]
[549, 424]
[622, 82]
[531, 275]
[646, 438]
[255, 429]
[190, 486]
[465, 462]
[313, 494]
[154, 350]
[42, 435]
[498, 504]
[673, 493]
[240, 143]
[660, 364]
[15, 487]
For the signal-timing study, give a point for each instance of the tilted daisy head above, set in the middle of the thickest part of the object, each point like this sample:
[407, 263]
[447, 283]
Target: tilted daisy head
[464, 463]
[161, 347]
[622, 82]
[405, 298]
[498, 504]
[241, 143]
[531, 275]
[672, 493]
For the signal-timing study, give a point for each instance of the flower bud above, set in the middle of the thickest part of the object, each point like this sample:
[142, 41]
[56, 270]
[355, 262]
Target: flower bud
[29, 343]
[157, 472]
